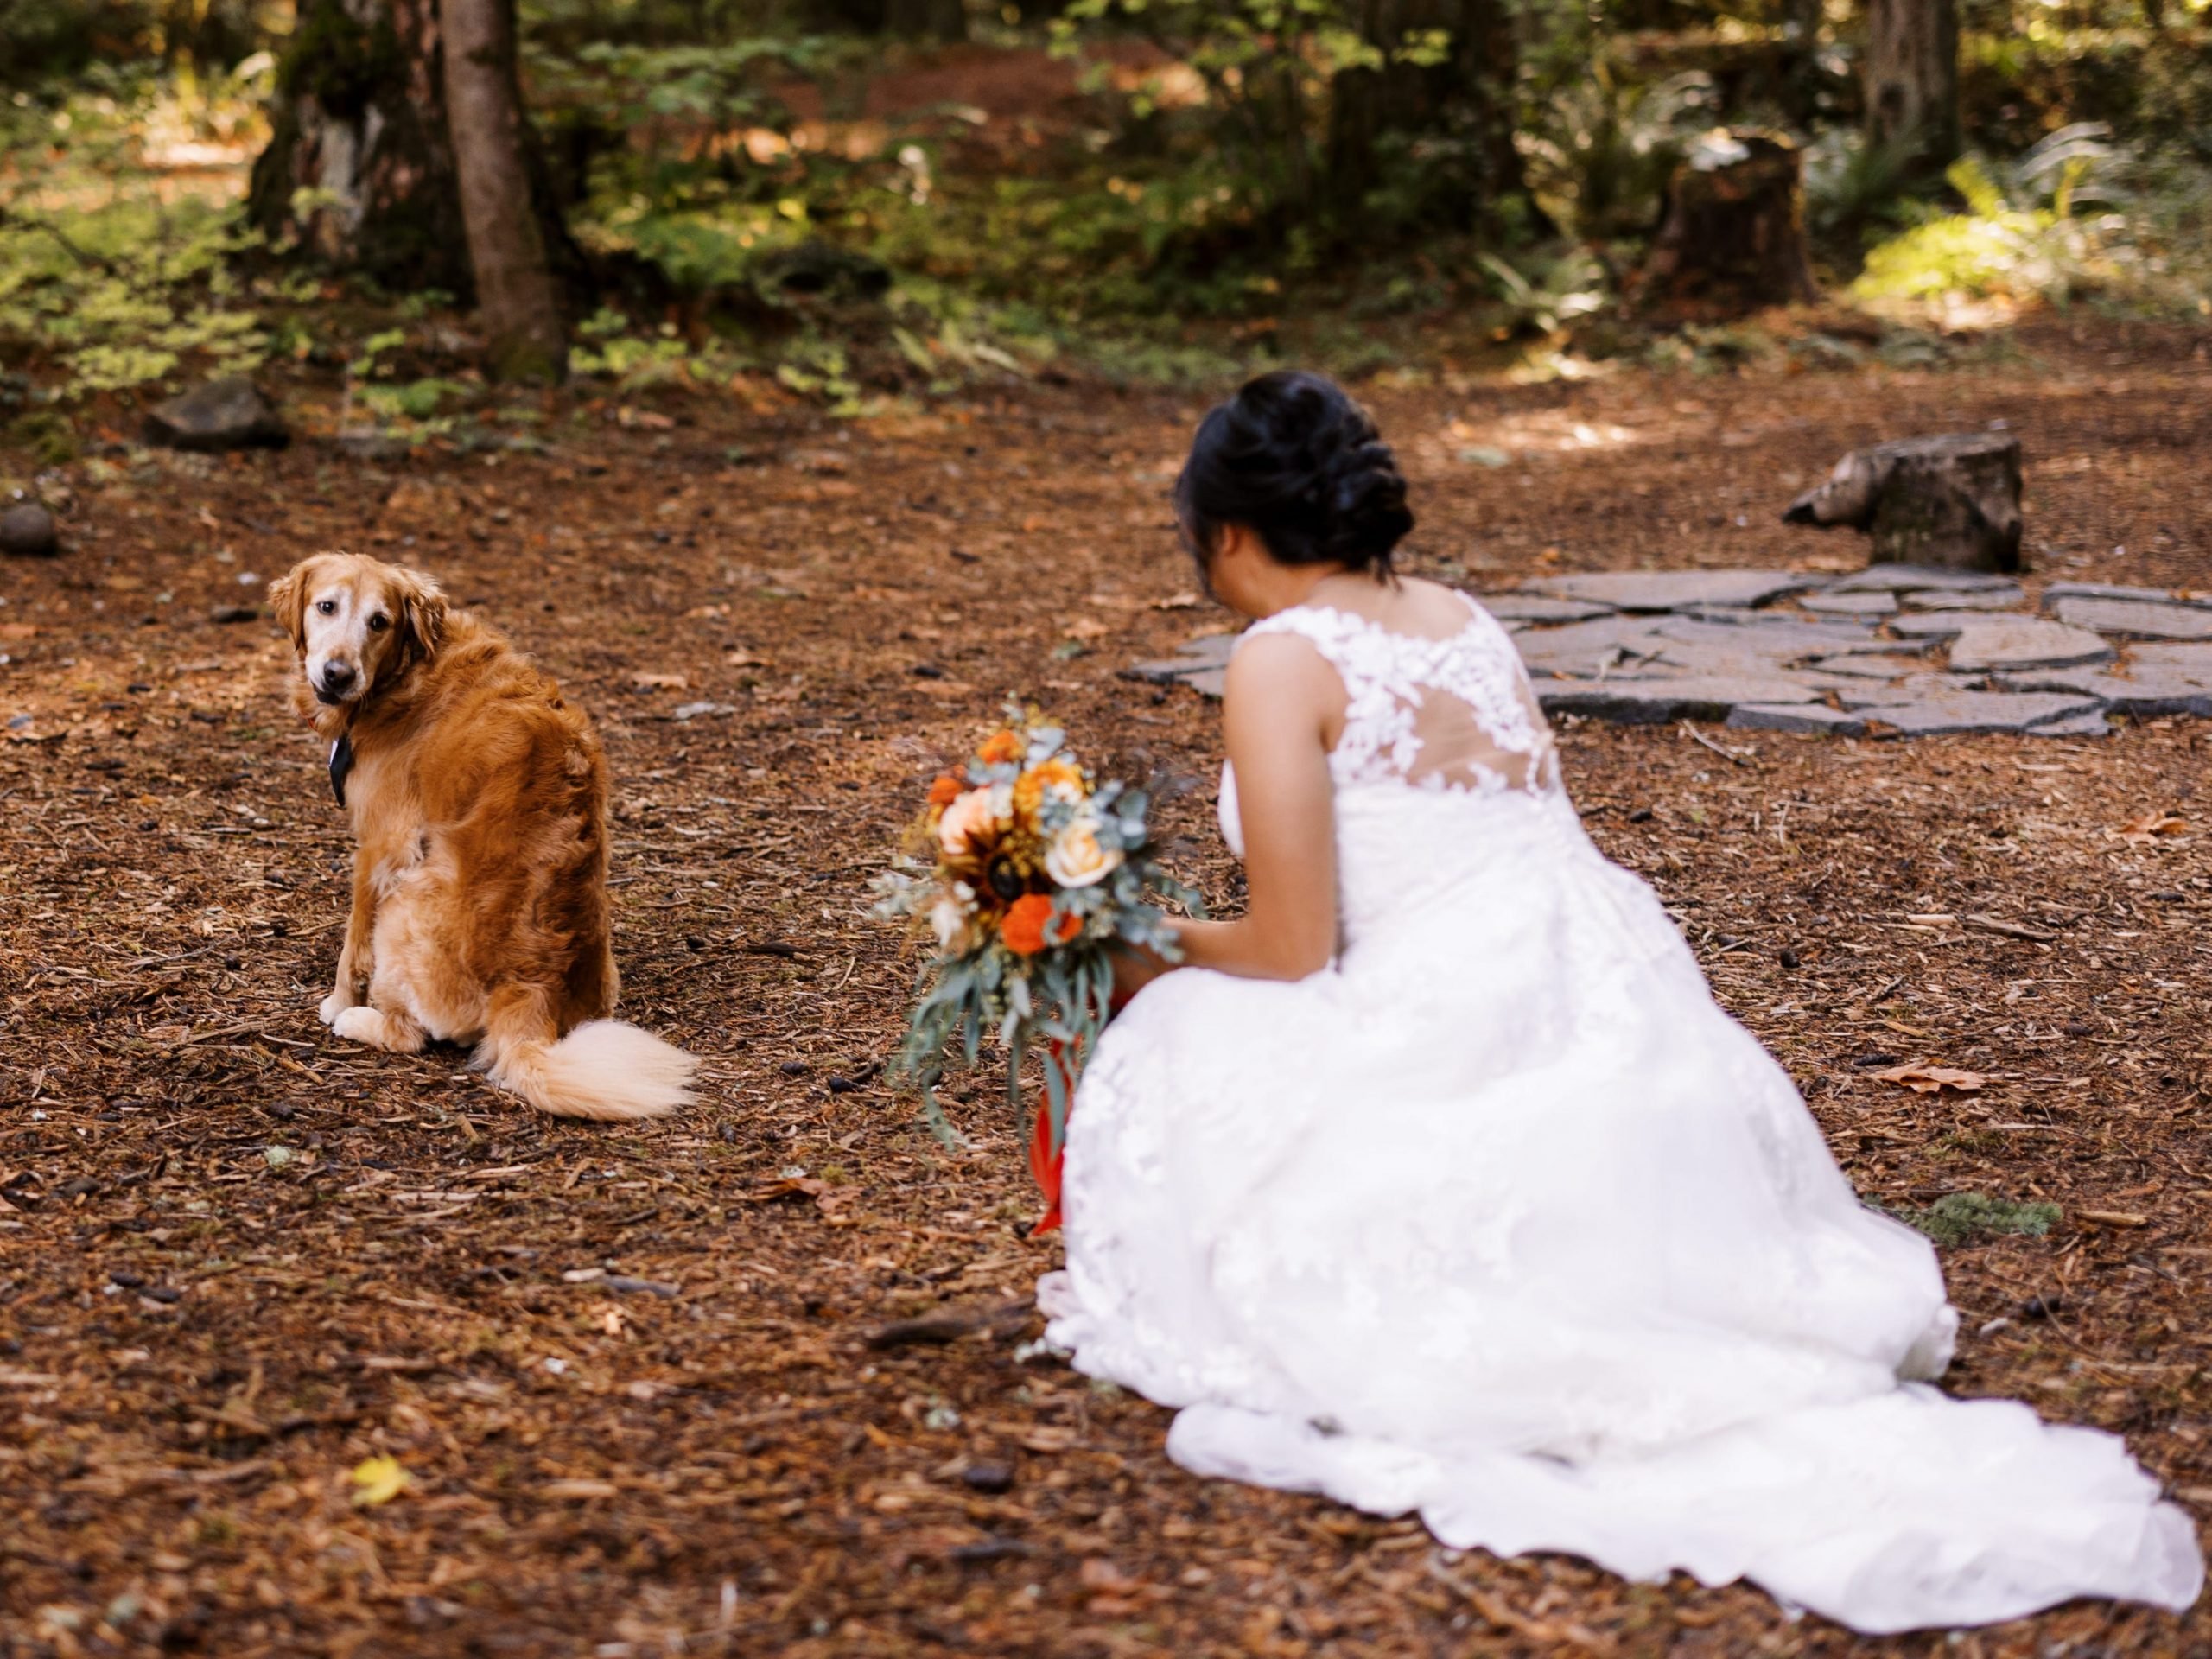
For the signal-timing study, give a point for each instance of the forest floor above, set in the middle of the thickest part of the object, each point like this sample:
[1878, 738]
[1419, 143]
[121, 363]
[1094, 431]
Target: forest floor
[627, 1372]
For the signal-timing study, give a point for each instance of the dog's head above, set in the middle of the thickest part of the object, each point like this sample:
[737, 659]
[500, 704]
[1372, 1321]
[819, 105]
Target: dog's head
[358, 623]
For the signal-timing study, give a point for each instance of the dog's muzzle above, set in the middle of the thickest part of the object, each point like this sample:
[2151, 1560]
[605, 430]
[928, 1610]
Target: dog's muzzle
[336, 683]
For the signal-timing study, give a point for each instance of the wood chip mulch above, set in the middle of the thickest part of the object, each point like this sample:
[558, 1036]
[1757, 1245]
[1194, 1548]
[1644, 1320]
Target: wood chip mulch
[752, 1380]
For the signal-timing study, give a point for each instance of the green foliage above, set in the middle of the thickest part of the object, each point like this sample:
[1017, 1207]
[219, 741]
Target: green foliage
[2029, 233]
[1969, 1217]
[1604, 145]
[104, 275]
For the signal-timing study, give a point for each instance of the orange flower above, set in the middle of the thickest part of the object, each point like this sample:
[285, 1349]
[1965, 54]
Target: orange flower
[1002, 748]
[947, 789]
[1048, 777]
[1023, 930]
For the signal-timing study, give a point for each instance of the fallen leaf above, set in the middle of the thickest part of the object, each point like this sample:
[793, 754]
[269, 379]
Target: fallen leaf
[2113, 1218]
[377, 1481]
[579, 1488]
[659, 682]
[1185, 601]
[1925, 1079]
[1085, 627]
[2142, 831]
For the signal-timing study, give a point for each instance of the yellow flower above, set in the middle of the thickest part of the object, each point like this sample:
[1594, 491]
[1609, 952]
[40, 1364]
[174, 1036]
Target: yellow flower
[1077, 859]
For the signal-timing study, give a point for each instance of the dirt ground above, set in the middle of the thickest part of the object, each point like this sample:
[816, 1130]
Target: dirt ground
[627, 1372]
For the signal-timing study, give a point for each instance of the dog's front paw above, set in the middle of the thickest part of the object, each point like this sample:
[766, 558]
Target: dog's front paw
[360, 1025]
[333, 1005]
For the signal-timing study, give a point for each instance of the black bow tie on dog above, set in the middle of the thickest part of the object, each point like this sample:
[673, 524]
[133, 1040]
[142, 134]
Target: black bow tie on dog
[341, 762]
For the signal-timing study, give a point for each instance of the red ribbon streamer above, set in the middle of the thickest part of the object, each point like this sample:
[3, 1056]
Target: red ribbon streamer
[1045, 1158]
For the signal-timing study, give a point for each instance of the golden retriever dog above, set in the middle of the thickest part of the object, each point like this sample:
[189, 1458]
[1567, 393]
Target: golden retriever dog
[478, 796]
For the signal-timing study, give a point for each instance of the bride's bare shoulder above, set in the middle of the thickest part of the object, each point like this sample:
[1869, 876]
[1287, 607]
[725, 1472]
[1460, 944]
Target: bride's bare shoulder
[1282, 670]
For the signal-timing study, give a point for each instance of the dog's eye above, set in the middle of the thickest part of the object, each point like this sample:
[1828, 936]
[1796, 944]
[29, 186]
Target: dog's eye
[327, 607]
[378, 623]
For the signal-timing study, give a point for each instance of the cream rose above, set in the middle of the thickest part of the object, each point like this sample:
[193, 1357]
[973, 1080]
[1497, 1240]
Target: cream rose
[964, 819]
[949, 921]
[1076, 860]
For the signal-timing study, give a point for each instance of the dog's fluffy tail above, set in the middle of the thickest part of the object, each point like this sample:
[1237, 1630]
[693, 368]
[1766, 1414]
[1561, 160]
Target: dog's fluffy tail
[604, 1070]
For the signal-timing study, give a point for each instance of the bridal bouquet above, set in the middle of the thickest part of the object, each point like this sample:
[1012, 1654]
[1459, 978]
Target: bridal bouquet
[1026, 872]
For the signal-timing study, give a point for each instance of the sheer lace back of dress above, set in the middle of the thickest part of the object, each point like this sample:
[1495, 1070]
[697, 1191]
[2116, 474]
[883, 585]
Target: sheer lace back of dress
[1453, 712]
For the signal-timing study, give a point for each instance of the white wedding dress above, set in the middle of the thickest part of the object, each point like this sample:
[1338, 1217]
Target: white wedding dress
[1500, 1218]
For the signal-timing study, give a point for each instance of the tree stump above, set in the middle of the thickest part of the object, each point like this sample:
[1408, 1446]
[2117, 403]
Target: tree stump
[358, 173]
[1733, 238]
[1951, 501]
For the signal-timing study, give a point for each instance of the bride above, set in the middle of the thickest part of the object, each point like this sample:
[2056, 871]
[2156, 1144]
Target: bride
[1438, 1182]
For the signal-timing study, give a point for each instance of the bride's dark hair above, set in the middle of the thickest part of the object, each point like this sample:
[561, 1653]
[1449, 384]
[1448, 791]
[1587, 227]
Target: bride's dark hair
[1295, 460]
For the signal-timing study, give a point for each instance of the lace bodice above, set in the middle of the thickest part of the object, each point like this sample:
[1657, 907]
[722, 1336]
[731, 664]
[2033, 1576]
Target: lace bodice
[1451, 715]
[1454, 713]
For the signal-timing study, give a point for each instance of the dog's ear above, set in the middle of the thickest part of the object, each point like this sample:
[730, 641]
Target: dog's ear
[422, 613]
[288, 595]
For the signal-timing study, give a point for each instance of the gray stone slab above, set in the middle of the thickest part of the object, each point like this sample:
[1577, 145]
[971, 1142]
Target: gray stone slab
[1929, 624]
[1967, 599]
[1869, 666]
[2179, 683]
[1865, 604]
[1212, 652]
[1672, 590]
[1795, 717]
[1209, 682]
[1982, 711]
[2093, 724]
[1915, 578]
[2181, 658]
[2130, 619]
[1540, 607]
[1989, 643]
[2058, 590]
[1648, 702]
[1780, 635]
[1914, 688]
[1581, 650]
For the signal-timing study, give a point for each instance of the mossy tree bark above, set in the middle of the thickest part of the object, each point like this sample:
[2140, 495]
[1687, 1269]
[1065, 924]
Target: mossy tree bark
[515, 297]
[1912, 80]
[358, 173]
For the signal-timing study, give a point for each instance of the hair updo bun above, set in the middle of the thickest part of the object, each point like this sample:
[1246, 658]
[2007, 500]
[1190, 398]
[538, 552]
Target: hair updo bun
[1294, 459]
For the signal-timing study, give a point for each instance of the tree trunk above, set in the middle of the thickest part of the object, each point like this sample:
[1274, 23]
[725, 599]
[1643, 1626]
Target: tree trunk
[1459, 110]
[1733, 239]
[1800, 76]
[515, 293]
[360, 172]
[1912, 80]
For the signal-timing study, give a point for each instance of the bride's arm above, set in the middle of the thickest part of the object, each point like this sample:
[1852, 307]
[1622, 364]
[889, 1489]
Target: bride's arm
[1278, 708]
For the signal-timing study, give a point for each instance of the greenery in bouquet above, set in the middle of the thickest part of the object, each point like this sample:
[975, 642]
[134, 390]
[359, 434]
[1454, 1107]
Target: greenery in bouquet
[1026, 875]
